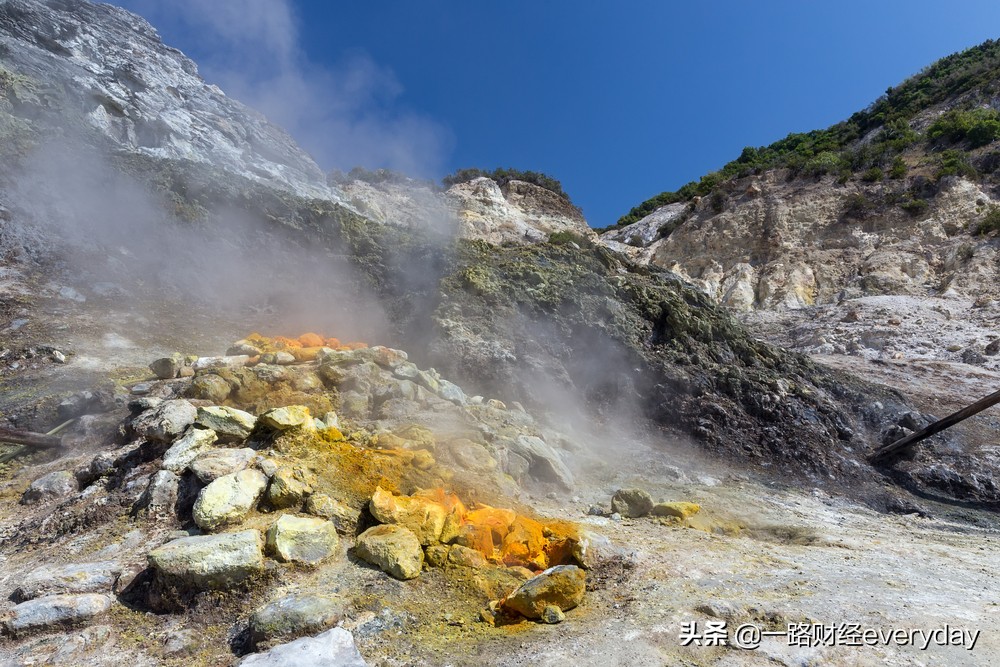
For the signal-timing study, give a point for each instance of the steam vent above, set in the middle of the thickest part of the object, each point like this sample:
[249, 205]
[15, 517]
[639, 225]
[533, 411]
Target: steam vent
[258, 411]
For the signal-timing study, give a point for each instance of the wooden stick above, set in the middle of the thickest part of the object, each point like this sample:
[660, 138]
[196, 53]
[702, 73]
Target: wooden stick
[29, 439]
[909, 441]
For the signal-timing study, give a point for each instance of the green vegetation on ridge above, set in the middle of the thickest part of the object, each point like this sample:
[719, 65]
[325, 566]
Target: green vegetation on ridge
[837, 149]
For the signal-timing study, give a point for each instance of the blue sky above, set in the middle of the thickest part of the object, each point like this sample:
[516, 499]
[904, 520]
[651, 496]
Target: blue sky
[619, 101]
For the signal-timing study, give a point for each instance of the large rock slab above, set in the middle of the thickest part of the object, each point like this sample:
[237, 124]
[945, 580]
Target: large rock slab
[166, 422]
[52, 486]
[302, 539]
[53, 611]
[424, 517]
[214, 463]
[229, 498]
[230, 424]
[562, 586]
[187, 448]
[333, 648]
[210, 561]
[68, 579]
[294, 616]
[393, 549]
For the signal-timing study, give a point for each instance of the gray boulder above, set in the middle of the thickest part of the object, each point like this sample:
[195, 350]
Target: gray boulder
[161, 494]
[55, 611]
[631, 502]
[302, 539]
[332, 648]
[70, 578]
[210, 561]
[544, 462]
[230, 424]
[393, 549]
[167, 368]
[55, 485]
[187, 448]
[166, 422]
[229, 498]
[294, 616]
[214, 463]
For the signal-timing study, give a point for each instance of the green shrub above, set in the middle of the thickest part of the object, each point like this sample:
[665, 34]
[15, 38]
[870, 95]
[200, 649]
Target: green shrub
[914, 206]
[859, 206]
[990, 224]
[872, 175]
[503, 176]
[955, 163]
[898, 169]
[977, 126]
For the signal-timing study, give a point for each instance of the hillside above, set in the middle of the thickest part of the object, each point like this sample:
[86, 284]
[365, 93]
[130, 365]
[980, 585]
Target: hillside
[368, 420]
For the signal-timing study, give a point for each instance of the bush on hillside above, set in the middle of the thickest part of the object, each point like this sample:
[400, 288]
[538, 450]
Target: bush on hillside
[503, 176]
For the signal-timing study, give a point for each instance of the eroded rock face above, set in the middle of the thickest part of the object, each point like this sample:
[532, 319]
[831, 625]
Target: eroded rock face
[106, 71]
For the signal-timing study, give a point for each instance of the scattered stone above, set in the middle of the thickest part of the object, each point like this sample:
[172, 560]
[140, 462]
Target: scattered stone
[992, 349]
[160, 496]
[230, 424]
[58, 357]
[289, 487]
[302, 539]
[333, 647]
[972, 356]
[597, 510]
[561, 586]
[141, 388]
[466, 557]
[182, 642]
[284, 358]
[631, 502]
[680, 509]
[70, 578]
[212, 464]
[195, 441]
[552, 615]
[452, 392]
[58, 484]
[206, 363]
[229, 498]
[393, 549]
[210, 561]
[209, 387]
[241, 348]
[167, 421]
[55, 611]
[344, 518]
[167, 368]
[287, 418]
[294, 616]
[436, 555]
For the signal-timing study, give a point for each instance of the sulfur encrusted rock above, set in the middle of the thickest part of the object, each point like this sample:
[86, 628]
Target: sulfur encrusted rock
[422, 516]
[302, 539]
[210, 561]
[229, 498]
[289, 487]
[393, 549]
[679, 509]
[70, 578]
[287, 418]
[562, 586]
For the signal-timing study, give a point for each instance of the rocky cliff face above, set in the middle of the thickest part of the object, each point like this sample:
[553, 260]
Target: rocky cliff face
[99, 73]
[518, 212]
[781, 245]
